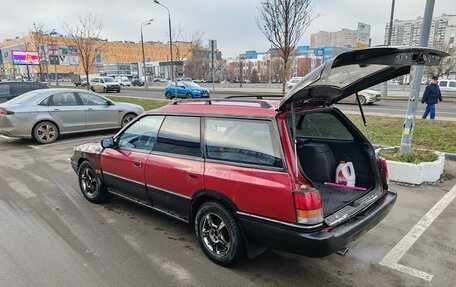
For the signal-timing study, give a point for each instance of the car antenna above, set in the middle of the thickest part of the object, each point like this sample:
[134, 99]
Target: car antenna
[364, 117]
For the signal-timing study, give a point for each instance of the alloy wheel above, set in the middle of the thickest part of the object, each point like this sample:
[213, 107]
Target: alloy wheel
[215, 234]
[88, 182]
[46, 133]
[127, 118]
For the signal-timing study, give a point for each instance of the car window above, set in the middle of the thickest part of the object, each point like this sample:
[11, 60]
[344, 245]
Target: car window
[21, 88]
[443, 83]
[180, 85]
[321, 125]
[95, 80]
[142, 134]
[64, 99]
[452, 84]
[46, 101]
[180, 135]
[242, 141]
[101, 81]
[92, 100]
[5, 90]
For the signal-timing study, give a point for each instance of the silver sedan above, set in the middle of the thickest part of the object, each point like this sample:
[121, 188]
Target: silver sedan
[45, 114]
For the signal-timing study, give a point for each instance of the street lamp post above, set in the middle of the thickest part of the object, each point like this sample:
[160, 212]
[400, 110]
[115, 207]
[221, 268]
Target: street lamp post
[388, 43]
[144, 56]
[170, 40]
[53, 54]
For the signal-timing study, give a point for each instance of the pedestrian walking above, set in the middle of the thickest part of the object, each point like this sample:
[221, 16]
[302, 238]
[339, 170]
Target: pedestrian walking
[431, 97]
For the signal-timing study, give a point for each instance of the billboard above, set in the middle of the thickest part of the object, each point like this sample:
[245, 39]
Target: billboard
[54, 60]
[64, 60]
[74, 60]
[363, 36]
[25, 57]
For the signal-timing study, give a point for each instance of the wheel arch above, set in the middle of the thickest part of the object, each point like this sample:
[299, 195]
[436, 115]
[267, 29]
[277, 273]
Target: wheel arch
[203, 196]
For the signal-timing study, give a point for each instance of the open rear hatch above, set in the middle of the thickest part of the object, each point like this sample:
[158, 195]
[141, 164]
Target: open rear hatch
[334, 80]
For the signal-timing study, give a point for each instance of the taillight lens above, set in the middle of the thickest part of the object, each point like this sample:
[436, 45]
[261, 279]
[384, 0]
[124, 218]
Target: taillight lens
[5, 112]
[382, 166]
[308, 206]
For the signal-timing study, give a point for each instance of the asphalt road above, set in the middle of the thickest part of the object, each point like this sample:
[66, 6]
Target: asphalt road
[445, 110]
[51, 236]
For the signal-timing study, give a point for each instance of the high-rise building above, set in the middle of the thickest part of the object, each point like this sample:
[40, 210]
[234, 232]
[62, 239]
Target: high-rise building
[407, 32]
[345, 38]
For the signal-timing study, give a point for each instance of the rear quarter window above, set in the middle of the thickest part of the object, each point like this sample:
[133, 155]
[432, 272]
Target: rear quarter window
[5, 90]
[250, 142]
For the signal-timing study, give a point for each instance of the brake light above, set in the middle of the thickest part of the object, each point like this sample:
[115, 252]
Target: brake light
[5, 112]
[383, 168]
[308, 206]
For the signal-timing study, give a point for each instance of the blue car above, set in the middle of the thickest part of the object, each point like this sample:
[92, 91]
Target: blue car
[186, 89]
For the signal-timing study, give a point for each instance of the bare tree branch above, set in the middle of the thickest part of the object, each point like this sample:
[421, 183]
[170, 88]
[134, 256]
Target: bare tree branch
[85, 36]
[446, 66]
[283, 23]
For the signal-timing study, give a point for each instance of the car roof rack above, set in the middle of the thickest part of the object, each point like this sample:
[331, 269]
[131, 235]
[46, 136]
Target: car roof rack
[232, 99]
[262, 97]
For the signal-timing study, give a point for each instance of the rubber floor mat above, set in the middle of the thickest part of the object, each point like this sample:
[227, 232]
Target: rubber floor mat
[334, 198]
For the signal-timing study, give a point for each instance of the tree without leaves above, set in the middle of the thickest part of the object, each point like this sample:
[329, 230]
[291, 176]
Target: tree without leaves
[85, 36]
[446, 66]
[38, 40]
[284, 22]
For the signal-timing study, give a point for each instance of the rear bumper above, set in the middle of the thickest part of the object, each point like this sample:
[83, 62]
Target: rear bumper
[316, 243]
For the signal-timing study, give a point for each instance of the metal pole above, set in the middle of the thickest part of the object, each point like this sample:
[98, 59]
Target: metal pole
[144, 59]
[55, 69]
[388, 43]
[407, 130]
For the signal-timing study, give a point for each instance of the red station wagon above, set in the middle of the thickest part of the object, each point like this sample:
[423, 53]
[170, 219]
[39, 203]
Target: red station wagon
[252, 174]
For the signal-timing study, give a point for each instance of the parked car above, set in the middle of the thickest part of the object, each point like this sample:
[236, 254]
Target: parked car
[123, 81]
[366, 97]
[104, 84]
[157, 80]
[46, 114]
[10, 90]
[447, 85]
[137, 82]
[185, 89]
[254, 173]
[292, 82]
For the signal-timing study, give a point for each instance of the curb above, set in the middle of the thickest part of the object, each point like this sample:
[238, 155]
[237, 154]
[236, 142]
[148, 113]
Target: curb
[448, 156]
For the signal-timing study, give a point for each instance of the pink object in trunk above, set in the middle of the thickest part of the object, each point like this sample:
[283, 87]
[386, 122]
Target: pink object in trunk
[345, 186]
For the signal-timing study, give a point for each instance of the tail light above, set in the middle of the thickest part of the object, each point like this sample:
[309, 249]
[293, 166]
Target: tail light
[308, 206]
[383, 168]
[5, 112]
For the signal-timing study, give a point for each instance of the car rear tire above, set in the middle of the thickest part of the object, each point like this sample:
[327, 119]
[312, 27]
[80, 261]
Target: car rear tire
[118, 91]
[45, 132]
[105, 90]
[128, 118]
[188, 96]
[91, 185]
[168, 95]
[92, 89]
[219, 234]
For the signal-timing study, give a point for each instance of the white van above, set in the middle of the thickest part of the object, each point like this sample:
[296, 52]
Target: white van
[123, 81]
[447, 85]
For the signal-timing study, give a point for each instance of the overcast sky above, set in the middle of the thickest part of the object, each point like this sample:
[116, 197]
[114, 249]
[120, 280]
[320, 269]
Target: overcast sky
[230, 22]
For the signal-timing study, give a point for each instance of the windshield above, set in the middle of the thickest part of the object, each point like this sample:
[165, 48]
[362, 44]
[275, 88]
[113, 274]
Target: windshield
[190, 84]
[24, 97]
[108, 80]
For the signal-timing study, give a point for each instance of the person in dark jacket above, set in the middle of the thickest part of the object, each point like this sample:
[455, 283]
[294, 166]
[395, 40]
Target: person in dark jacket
[431, 97]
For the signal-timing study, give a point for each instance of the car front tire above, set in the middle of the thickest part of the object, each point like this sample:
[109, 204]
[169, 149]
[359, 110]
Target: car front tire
[219, 234]
[127, 119]
[92, 187]
[362, 100]
[45, 132]
[168, 95]
[188, 96]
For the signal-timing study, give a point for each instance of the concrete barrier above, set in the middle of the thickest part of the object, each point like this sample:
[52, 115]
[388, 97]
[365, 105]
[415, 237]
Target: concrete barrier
[425, 172]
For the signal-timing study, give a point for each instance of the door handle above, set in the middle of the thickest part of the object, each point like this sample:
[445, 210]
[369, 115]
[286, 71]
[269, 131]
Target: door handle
[192, 174]
[56, 110]
[137, 163]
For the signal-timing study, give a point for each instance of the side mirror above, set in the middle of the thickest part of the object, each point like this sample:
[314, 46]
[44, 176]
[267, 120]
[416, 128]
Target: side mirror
[107, 142]
[109, 103]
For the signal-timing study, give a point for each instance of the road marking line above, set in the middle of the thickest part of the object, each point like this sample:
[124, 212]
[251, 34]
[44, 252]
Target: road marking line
[392, 258]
